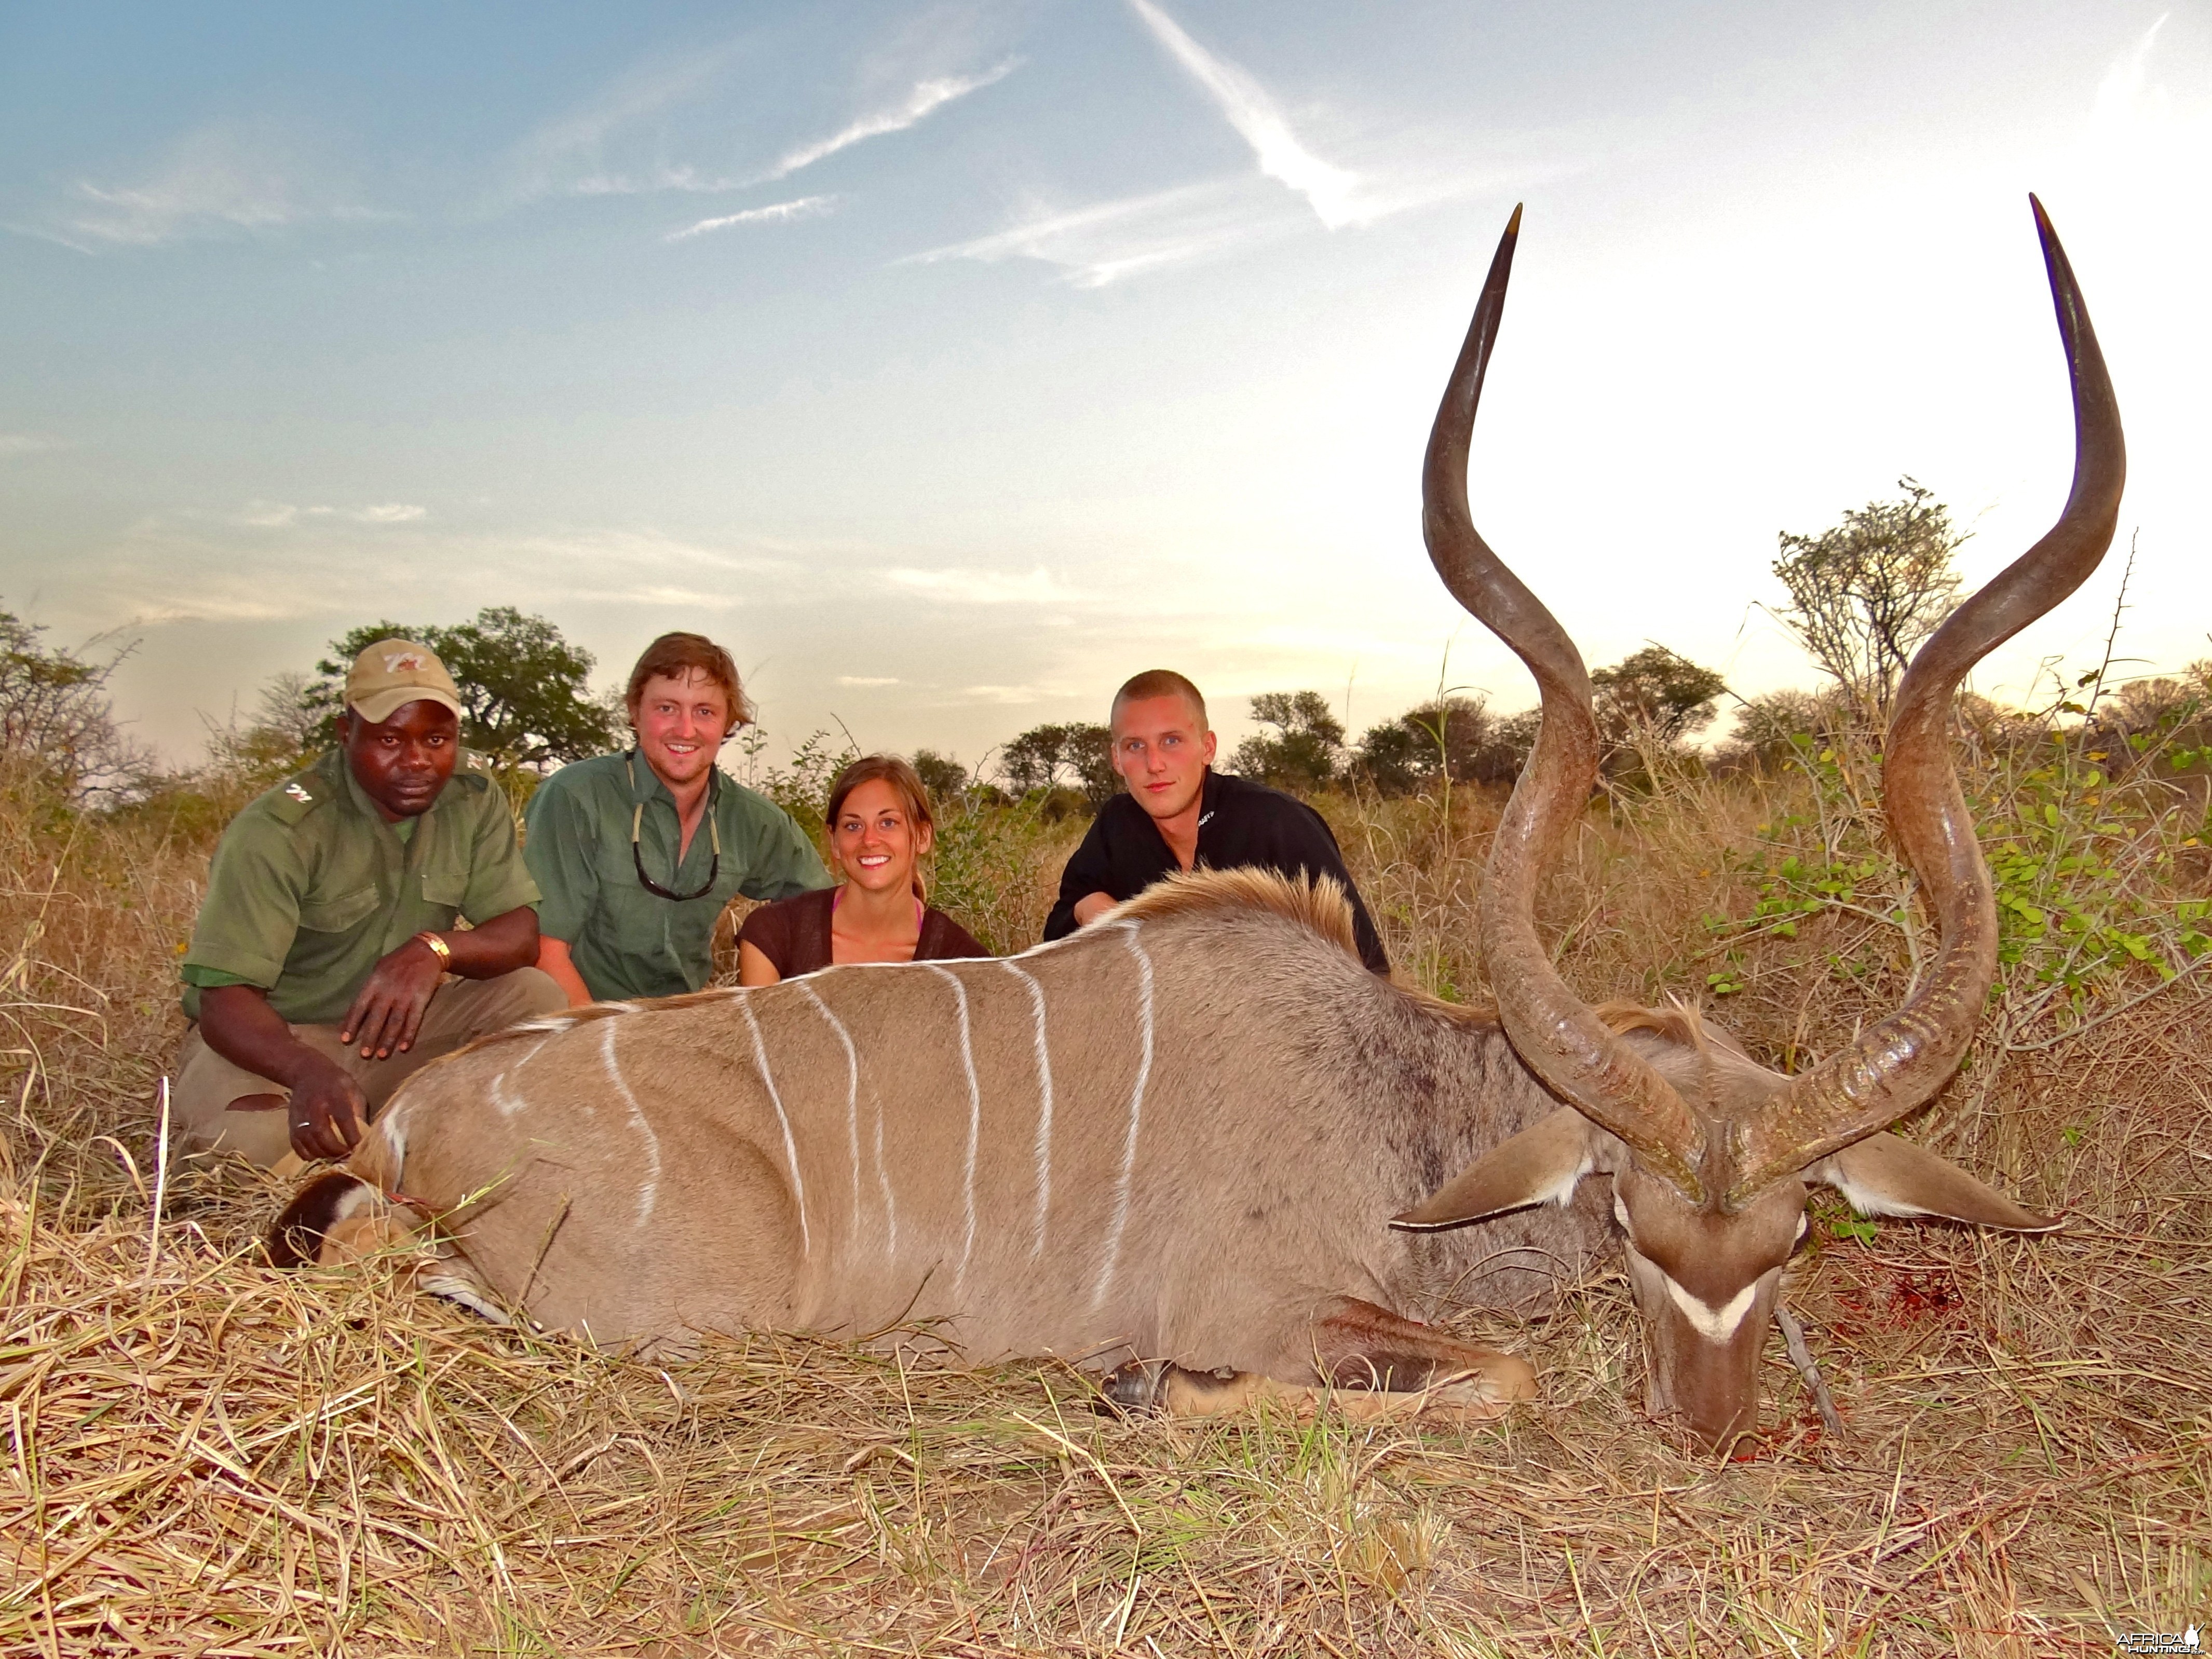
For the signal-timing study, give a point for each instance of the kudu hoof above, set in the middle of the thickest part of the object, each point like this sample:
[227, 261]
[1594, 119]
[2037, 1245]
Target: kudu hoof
[1138, 1389]
[1160, 1388]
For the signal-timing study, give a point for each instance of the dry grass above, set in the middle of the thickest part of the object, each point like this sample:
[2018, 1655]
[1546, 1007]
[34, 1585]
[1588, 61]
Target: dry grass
[206, 1457]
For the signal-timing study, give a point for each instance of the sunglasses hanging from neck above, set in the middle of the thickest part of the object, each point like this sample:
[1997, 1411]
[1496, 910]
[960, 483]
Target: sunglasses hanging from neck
[637, 853]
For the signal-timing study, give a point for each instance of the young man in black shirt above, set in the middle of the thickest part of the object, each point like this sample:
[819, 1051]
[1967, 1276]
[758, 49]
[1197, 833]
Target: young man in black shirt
[1180, 814]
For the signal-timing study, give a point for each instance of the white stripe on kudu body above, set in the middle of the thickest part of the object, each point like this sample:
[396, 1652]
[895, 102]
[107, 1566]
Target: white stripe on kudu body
[852, 1108]
[974, 1123]
[1136, 1115]
[852, 1099]
[508, 1104]
[651, 1189]
[790, 1147]
[1044, 1113]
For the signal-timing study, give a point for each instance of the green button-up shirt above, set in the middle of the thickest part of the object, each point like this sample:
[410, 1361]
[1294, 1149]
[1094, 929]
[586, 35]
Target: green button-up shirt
[310, 886]
[628, 942]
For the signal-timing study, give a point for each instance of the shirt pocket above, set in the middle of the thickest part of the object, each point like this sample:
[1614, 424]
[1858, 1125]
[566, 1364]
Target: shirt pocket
[336, 913]
[445, 888]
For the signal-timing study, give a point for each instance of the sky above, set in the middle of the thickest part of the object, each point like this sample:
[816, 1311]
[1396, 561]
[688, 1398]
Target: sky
[951, 362]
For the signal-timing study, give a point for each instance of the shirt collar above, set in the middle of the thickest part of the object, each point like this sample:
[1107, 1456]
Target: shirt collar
[1209, 798]
[646, 784]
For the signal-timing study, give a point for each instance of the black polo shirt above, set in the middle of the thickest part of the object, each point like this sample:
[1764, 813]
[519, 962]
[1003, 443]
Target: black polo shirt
[1241, 825]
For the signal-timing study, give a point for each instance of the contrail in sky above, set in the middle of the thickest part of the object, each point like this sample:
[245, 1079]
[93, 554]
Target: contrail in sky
[926, 98]
[805, 208]
[1254, 115]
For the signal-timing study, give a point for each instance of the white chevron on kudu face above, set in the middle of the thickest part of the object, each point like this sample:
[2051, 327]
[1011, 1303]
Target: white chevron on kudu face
[1713, 1324]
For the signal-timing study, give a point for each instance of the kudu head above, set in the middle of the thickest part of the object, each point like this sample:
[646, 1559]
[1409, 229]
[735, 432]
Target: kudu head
[1711, 1155]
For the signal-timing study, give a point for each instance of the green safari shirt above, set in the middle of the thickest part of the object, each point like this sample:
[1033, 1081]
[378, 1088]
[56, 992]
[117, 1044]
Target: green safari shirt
[310, 887]
[628, 942]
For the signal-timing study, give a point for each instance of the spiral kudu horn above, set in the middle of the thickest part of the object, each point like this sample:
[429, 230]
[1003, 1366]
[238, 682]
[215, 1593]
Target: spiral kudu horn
[1555, 1031]
[1890, 1067]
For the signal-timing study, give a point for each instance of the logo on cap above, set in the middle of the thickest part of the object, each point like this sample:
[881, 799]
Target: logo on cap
[403, 662]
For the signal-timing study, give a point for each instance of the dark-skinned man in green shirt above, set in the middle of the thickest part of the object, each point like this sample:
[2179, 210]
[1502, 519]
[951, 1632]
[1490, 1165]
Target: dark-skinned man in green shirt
[318, 971]
[639, 854]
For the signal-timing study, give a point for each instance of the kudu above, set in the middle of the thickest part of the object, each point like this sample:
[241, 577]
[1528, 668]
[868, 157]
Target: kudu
[1181, 1136]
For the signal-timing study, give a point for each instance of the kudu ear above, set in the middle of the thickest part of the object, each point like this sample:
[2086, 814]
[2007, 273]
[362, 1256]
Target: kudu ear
[1541, 1163]
[1885, 1176]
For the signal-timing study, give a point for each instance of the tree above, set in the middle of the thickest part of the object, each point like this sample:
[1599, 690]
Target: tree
[1078, 755]
[1646, 705]
[944, 778]
[1510, 746]
[1655, 691]
[524, 690]
[283, 717]
[55, 713]
[1301, 751]
[1395, 758]
[1449, 735]
[2147, 705]
[1863, 595]
[1775, 725]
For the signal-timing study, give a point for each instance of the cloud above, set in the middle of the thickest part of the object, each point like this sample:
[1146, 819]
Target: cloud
[567, 157]
[1009, 694]
[1254, 114]
[192, 566]
[865, 680]
[653, 182]
[2142, 148]
[221, 179]
[27, 443]
[574, 154]
[2123, 89]
[284, 515]
[660, 596]
[805, 207]
[926, 98]
[965, 587]
[1106, 241]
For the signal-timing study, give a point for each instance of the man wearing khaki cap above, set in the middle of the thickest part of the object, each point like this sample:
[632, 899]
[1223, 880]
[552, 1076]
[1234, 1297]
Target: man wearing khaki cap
[325, 970]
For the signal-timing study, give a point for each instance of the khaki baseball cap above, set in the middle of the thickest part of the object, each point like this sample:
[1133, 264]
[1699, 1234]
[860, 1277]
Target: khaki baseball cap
[392, 673]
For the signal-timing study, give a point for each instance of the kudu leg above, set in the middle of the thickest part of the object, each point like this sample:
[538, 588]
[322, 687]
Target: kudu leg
[1380, 1368]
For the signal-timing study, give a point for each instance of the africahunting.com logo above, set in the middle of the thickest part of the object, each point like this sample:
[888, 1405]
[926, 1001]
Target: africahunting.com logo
[2187, 1641]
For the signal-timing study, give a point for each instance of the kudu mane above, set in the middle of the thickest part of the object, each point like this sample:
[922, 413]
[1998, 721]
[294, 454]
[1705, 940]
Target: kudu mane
[1319, 907]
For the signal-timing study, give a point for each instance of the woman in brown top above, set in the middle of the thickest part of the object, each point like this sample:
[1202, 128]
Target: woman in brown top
[880, 828]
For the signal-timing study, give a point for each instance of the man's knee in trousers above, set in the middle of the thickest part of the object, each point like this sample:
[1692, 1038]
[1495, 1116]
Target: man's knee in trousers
[218, 1106]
